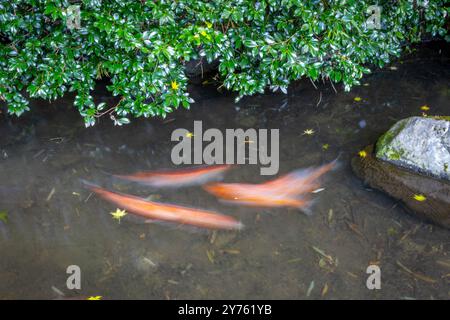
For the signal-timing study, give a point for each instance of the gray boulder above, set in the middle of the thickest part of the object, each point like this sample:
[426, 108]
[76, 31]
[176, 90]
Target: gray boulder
[419, 144]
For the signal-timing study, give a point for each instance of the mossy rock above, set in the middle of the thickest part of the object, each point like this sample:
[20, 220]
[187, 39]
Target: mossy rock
[421, 144]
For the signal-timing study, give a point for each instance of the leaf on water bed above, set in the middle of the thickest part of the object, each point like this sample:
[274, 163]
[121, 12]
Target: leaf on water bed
[4, 216]
[330, 216]
[326, 261]
[213, 237]
[324, 290]
[323, 254]
[210, 254]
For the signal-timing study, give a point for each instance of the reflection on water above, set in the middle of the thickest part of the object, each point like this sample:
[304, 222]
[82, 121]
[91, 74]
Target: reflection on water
[53, 221]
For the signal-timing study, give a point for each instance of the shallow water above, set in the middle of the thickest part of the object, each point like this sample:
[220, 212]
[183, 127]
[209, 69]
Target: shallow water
[273, 257]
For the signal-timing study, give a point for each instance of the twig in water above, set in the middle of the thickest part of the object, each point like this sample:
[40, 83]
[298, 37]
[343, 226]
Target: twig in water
[415, 274]
[88, 197]
[50, 195]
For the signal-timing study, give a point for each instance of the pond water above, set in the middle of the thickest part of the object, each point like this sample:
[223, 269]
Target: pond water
[54, 222]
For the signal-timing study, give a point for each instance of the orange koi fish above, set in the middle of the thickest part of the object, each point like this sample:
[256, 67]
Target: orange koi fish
[290, 190]
[168, 212]
[252, 195]
[177, 178]
[300, 181]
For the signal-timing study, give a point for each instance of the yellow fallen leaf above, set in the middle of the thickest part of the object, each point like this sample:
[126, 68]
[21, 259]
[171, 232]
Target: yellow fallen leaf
[419, 197]
[425, 108]
[357, 99]
[118, 214]
[309, 132]
[94, 298]
[362, 153]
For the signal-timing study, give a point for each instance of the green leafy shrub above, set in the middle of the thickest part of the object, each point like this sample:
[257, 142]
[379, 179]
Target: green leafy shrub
[142, 46]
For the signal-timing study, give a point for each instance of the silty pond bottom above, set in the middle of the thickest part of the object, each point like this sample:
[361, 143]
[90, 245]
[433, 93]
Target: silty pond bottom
[50, 221]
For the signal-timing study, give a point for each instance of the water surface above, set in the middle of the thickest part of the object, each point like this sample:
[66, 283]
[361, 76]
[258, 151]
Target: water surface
[54, 222]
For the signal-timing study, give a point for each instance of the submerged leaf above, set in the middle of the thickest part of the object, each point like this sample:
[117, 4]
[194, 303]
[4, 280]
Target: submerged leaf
[4, 216]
